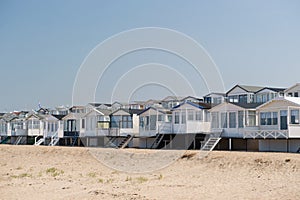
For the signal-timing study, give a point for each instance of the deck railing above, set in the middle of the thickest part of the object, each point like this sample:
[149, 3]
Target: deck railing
[266, 134]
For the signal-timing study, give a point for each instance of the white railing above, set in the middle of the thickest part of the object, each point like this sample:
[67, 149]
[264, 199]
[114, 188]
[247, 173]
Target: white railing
[266, 134]
[54, 139]
[165, 127]
[114, 132]
[38, 142]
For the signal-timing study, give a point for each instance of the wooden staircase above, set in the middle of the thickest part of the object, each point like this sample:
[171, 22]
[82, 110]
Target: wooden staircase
[125, 141]
[110, 142]
[157, 141]
[210, 143]
[18, 140]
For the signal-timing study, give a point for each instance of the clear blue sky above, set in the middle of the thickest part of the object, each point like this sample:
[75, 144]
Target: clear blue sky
[43, 43]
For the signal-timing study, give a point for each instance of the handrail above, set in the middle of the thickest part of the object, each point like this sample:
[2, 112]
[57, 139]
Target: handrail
[54, 139]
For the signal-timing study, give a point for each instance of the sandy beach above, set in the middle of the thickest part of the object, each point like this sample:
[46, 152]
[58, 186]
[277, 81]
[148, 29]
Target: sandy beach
[29, 172]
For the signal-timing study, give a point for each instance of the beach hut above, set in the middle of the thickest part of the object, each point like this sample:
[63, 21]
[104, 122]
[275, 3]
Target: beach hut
[185, 128]
[154, 121]
[124, 127]
[3, 129]
[97, 127]
[18, 128]
[278, 127]
[233, 119]
[74, 126]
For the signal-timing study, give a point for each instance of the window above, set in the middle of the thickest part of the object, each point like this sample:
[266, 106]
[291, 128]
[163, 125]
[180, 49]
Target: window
[3, 127]
[233, 99]
[103, 125]
[215, 120]
[258, 98]
[263, 120]
[153, 122]
[207, 99]
[100, 118]
[274, 118]
[77, 125]
[126, 121]
[294, 116]
[251, 98]
[273, 95]
[224, 120]
[199, 116]
[251, 118]
[183, 117]
[264, 98]
[217, 100]
[142, 121]
[191, 115]
[170, 118]
[243, 98]
[232, 120]
[176, 117]
[268, 118]
[296, 94]
[241, 119]
[115, 121]
[65, 125]
[33, 124]
[147, 122]
[70, 125]
[52, 127]
[160, 118]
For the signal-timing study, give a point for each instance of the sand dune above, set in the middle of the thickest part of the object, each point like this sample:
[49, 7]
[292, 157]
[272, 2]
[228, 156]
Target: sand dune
[29, 172]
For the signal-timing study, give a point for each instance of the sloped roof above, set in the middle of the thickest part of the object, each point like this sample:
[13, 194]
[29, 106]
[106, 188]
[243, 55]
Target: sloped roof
[95, 104]
[59, 117]
[197, 105]
[191, 97]
[129, 111]
[73, 116]
[36, 115]
[294, 100]
[247, 88]
[172, 98]
[273, 89]
[216, 93]
[104, 111]
[135, 111]
[99, 104]
[247, 105]
[297, 84]
[164, 111]
[250, 88]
